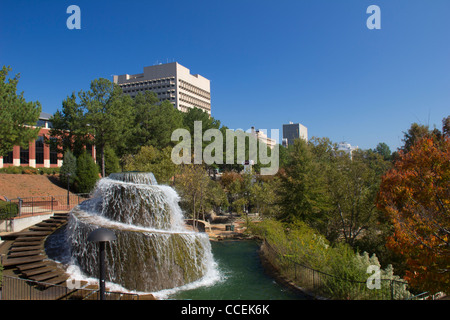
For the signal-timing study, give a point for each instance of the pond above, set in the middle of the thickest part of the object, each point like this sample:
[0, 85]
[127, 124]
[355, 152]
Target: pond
[242, 276]
[239, 274]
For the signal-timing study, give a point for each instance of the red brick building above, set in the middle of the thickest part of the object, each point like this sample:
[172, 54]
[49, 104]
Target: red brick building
[38, 154]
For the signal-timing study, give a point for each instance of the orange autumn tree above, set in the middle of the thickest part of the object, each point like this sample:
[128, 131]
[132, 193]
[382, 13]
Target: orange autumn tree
[415, 195]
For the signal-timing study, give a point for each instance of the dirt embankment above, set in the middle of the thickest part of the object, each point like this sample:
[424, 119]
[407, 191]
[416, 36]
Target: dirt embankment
[29, 185]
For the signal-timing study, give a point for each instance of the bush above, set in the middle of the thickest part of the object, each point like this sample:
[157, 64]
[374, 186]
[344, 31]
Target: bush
[8, 209]
[87, 173]
[343, 272]
[29, 170]
[50, 171]
[69, 168]
[112, 164]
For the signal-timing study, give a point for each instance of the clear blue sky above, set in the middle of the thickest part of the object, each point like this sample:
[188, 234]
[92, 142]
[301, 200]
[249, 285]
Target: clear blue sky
[269, 62]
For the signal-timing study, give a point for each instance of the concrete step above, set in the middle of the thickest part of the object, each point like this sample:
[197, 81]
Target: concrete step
[49, 224]
[58, 280]
[40, 264]
[24, 253]
[40, 228]
[17, 261]
[47, 275]
[61, 214]
[32, 272]
[25, 248]
[22, 239]
[26, 243]
[33, 233]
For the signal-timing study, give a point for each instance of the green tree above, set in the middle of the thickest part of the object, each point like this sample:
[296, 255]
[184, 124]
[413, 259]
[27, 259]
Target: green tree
[264, 195]
[196, 114]
[193, 183]
[383, 150]
[68, 168]
[352, 189]
[151, 159]
[302, 191]
[16, 115]
[70, 128]
[112, 163]
[164, 119]
[154, 122]
[208, 122]
[215, 196]
[87, 173]
[415, 133]
[108, 115]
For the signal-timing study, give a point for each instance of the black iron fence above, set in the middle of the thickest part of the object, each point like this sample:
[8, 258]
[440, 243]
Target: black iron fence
[13, 288]
[37, 205]
[322, 285]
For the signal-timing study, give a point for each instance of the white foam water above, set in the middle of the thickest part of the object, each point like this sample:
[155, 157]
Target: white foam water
[212, 277]
[154, 250]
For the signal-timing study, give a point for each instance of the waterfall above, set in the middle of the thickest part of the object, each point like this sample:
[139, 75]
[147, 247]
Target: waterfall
[154, 250]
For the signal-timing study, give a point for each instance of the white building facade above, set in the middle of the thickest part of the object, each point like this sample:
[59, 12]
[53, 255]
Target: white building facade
[347, 148]
[172, 82]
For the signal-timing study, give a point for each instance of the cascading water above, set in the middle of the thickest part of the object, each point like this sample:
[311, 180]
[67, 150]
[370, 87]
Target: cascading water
[153, 250]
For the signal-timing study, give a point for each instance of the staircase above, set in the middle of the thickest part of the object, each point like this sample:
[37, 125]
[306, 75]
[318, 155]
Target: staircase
[27, 253]
[26, 257]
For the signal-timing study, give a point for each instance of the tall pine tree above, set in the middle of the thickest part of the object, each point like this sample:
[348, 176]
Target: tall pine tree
[16, 115]
[108, 115]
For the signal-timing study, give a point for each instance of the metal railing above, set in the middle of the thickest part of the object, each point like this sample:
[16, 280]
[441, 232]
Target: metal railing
[30, 206]
[13, 288]
[323, 285]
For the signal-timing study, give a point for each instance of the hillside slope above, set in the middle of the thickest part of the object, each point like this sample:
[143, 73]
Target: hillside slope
[29, 185]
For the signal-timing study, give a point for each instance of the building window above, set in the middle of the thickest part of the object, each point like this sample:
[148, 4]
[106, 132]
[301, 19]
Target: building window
[24, 156]
[53, 152]
[89, 149]
[8, 158]
[39, 150]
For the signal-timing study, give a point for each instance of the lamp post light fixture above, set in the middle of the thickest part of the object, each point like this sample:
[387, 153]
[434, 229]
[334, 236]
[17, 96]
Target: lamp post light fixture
[101, 235]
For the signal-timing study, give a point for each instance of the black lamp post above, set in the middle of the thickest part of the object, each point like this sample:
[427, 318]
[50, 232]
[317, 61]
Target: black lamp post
[102, 236]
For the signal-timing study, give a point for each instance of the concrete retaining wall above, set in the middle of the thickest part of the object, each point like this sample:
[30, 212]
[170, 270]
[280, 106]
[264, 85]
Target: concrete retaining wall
[18, 224]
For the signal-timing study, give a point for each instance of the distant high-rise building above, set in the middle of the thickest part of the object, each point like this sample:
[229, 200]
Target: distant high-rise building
[293, 131]
[172, 82]
[261, 136]
[347, 148]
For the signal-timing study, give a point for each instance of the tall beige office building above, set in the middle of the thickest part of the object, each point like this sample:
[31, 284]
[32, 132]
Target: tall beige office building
[171, 82]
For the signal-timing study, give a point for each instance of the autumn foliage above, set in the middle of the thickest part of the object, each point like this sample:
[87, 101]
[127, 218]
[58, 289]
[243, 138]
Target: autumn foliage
[415, 195]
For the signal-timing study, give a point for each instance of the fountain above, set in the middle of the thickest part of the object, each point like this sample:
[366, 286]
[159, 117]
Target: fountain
[154, 250]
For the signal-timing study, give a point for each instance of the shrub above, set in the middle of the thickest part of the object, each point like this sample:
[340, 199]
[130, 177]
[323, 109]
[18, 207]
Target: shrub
[29, 170]
[87, 173]
[343, 273]
[8, 209]
[112, 164]
[69, 168]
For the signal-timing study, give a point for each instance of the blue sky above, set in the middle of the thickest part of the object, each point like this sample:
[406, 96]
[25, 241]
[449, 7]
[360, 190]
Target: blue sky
[269, 62]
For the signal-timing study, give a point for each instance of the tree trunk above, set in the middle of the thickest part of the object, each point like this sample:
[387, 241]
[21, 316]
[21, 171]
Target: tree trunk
[102, 151]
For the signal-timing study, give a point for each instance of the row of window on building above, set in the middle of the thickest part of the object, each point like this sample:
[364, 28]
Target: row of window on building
[39, 154]
[191, 88]
[194, 101]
